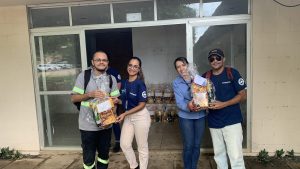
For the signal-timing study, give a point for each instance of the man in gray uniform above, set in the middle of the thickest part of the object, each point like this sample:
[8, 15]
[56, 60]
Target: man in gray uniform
[94, 138]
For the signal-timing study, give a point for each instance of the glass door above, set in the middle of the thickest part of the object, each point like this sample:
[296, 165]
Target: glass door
[57, 62]
[233, 38]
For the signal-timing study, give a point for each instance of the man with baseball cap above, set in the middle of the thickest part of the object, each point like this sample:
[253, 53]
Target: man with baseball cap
[225, 117]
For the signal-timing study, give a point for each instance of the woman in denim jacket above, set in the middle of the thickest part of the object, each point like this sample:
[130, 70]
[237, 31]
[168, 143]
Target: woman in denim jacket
[191, 119]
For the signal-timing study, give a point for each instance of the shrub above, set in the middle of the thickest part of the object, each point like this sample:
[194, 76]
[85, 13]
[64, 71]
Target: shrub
[279, 153]
[290, 154]
[263, 157]
[6, 153]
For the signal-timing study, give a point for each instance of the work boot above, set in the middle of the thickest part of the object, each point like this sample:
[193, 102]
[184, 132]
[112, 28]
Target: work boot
[116, 147]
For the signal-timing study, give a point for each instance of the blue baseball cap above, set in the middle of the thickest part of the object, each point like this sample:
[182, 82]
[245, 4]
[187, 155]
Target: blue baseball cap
[216, 52]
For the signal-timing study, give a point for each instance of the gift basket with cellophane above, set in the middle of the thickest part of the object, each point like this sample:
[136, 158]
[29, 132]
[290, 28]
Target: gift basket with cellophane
[103, 111]
[202, 89]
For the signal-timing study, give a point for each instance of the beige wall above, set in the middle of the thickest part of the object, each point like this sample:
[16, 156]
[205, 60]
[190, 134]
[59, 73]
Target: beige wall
[18, 122]
[276, 76]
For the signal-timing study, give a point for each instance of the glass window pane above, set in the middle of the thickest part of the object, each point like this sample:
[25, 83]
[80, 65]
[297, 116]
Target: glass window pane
[60, 123]
[94, 14]
[60, 62]
[224, 7]
[48, 17]
[133, 11]
[232, 40]
[176, 9]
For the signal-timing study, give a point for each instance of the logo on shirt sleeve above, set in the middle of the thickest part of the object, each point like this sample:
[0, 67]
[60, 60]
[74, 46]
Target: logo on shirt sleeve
[241, 82]
[144, 95]
[119, 77]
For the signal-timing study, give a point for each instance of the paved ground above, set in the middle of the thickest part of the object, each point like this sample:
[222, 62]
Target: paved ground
[158, 160]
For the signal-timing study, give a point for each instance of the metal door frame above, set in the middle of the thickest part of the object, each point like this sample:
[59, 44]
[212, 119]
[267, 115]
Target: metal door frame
[190, 23]
[228, 21]
[39, 93]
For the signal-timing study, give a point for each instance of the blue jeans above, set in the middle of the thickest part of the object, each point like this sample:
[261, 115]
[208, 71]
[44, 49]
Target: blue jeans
[117, 131]
[192, 131]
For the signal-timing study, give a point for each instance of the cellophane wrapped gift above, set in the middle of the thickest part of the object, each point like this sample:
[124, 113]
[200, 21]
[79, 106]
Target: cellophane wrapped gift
[198, 87]
[150, 94]
[103, 112]
[167, 95]
[200, 96]
[211, 91]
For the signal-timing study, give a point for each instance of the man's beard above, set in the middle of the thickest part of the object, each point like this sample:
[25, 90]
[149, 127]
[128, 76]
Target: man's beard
[219, 67]
[100, 70]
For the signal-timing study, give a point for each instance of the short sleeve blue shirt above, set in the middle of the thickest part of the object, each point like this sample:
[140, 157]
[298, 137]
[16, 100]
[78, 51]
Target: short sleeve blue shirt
[132, 93]
[115, 73]
[226, 89]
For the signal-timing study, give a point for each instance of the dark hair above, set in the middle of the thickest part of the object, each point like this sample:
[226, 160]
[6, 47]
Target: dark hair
[100, 51]
[140, 74]
[182, 59]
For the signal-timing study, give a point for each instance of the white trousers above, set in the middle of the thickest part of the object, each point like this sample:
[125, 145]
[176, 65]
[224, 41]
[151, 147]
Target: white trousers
[137, 125]
[228, 139]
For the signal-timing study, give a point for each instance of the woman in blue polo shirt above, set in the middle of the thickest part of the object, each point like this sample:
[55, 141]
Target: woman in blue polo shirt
[191, 119]
[136, 117]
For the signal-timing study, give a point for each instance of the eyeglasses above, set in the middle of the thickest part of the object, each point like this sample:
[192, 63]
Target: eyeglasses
[133, 66]
[213, 58]
[100, 60]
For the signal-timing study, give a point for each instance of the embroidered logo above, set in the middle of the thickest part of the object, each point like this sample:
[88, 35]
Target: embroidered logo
[226, 82]
[132, 94]
[241, 82]
[144, 94]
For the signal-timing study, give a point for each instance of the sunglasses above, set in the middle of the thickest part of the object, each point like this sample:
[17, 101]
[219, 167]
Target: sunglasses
[213, 58]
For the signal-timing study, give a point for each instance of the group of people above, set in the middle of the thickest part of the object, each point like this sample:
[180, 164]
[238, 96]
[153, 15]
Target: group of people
[135, 118]
[224, 117]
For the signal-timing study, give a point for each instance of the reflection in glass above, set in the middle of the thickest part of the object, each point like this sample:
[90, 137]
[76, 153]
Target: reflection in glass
[59, 63]
[49, 17]
[232, 40]
[93, 14]
[176, 9]
[60, 121]
[133, 11]
[224, 7]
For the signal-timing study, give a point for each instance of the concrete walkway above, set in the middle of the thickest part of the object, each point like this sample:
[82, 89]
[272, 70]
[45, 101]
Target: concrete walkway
[73, 160]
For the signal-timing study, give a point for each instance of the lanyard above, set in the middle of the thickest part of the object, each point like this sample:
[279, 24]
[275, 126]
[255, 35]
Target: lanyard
[126, 95]
[188, 84]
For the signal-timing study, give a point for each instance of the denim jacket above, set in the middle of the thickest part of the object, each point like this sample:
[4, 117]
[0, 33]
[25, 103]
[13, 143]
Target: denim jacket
[183, 95]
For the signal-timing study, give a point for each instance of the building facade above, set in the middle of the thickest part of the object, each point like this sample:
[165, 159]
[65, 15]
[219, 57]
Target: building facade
[260, 38]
